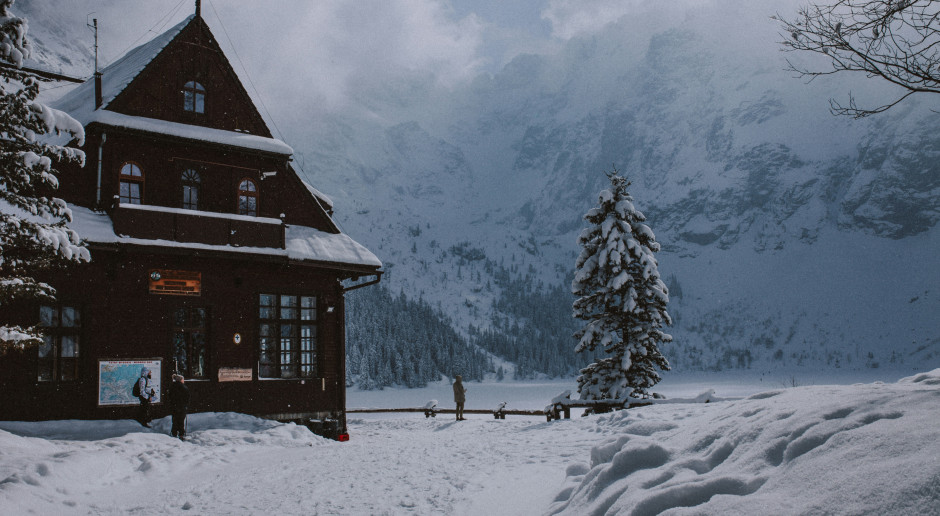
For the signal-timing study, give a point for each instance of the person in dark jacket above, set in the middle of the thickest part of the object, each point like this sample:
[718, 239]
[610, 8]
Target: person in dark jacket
[460, 396]
[178, 403]
[146, 396]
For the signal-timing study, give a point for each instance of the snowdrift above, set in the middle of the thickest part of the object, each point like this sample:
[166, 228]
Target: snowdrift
[860, 449]
[851, 449]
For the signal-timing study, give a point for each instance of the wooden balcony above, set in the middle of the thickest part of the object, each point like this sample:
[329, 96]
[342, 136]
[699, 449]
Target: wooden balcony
[203, 227]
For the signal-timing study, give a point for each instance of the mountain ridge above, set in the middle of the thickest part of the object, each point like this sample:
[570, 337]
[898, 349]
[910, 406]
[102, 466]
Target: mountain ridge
[792, 239]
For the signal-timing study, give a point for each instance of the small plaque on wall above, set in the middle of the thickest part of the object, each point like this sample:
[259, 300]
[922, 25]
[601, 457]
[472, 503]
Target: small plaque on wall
[234, 374]
[175, 283]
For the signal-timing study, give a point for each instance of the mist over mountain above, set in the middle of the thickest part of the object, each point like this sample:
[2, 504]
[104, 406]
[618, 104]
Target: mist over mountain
[792, 240]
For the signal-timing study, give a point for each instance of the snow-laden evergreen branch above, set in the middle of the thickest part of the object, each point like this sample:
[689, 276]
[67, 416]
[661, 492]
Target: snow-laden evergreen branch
[33, 225]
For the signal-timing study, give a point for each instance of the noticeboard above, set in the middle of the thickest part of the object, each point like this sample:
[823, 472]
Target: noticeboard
[116, 379]
[235, 374]
[175, 283]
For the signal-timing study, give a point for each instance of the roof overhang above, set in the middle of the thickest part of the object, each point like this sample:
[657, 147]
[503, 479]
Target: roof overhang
[165, 130]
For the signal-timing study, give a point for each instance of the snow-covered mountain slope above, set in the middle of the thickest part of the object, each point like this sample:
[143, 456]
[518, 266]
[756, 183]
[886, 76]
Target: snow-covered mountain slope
[791, 238]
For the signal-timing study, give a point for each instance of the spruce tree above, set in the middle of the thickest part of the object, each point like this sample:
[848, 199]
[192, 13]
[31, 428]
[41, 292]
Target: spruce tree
[33, 231]
[620, 298]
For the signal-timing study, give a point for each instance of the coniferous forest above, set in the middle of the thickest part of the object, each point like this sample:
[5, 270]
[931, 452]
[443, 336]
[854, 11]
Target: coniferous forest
[394, 340]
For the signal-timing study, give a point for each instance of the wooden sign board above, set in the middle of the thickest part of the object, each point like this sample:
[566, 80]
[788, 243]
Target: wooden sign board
[234, 374]
[175, 283]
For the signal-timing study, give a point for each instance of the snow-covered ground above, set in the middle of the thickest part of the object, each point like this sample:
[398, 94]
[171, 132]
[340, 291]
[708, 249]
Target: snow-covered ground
[820, 449]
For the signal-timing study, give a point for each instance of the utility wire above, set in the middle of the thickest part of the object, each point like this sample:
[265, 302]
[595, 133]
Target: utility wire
[162, 22]
[245, 69]
[266, 110]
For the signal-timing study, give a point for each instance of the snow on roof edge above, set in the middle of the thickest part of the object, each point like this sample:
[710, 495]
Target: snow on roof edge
[318, 194]
[189, 132]
[300, 242]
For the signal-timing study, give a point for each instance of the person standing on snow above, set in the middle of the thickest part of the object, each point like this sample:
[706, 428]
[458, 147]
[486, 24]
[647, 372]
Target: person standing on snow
[146, 396]
[460, 396]
[178, 403]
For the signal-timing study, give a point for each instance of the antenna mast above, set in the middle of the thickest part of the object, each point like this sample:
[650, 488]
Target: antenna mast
[94, 27]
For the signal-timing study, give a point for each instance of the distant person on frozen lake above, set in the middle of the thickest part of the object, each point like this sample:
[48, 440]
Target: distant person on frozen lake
[460, 396]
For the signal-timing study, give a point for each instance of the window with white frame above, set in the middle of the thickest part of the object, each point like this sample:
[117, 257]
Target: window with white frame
[287, 336]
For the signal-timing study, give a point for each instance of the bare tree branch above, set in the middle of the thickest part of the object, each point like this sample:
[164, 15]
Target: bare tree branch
[894, 40]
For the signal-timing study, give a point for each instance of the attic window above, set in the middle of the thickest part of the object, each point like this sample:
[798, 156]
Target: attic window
[132, 184]
[247, 198]
[194, 97]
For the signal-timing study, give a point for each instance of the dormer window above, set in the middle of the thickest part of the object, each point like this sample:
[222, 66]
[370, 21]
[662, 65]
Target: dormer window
[247, 198]
[190, 182]
[132, 184]
[194, 97]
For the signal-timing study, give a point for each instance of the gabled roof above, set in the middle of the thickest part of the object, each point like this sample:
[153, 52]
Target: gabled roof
[80, 102]
[116, 77]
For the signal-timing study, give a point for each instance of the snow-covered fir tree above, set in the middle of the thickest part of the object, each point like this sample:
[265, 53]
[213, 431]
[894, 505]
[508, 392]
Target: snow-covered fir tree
[621, 298]
[33, 231]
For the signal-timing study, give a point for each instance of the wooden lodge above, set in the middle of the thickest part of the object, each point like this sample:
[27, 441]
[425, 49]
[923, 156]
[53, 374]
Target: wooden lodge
[210, 256]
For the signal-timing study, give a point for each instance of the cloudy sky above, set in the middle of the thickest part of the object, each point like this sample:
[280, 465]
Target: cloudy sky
[336, 46]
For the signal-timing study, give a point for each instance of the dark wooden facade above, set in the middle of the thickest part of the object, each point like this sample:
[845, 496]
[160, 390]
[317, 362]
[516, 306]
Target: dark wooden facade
[237, 258]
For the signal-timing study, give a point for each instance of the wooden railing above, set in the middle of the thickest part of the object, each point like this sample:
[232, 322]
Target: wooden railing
[178, 225]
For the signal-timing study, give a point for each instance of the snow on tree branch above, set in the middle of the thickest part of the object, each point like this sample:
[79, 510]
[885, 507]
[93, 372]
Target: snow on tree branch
[621, 298]
[33, 225]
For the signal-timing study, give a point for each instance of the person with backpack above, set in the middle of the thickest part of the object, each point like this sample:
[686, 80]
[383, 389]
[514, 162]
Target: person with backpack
[178, 402]
[145, 393]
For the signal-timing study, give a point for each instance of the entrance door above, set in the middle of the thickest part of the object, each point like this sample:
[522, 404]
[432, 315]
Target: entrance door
[190, 335]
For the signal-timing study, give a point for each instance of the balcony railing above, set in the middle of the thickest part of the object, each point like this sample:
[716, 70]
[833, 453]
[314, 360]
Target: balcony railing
[203, 227]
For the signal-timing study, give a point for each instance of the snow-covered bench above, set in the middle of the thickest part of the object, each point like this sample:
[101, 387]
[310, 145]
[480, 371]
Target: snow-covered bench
[430, 409]
[500, 411]
[562, 405]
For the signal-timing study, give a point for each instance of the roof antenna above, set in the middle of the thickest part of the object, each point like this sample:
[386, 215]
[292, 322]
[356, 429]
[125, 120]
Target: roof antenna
[98, 94]
[94, 27]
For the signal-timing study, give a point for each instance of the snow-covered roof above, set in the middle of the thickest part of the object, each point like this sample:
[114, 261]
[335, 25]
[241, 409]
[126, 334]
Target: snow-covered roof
[189, 132]
[319, 195]
[80, 102]
[300, 243]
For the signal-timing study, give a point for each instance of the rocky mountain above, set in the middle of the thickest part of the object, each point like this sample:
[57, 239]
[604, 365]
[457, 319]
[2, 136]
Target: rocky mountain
[792, 239]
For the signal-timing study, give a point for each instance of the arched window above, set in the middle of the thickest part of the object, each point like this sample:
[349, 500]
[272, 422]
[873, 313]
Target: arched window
[247, 198]
[194, 97]
[132, 184]
[190, 182]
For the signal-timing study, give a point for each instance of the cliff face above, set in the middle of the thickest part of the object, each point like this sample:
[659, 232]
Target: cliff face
[791, 238]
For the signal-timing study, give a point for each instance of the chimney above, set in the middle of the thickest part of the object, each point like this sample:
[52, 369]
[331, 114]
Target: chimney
[198, 8]
[98, 99]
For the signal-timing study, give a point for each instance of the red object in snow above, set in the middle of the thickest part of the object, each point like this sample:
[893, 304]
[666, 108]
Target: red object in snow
[342, 437]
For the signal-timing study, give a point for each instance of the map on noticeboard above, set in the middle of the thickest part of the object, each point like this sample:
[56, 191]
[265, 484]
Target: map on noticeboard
[116, 380]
